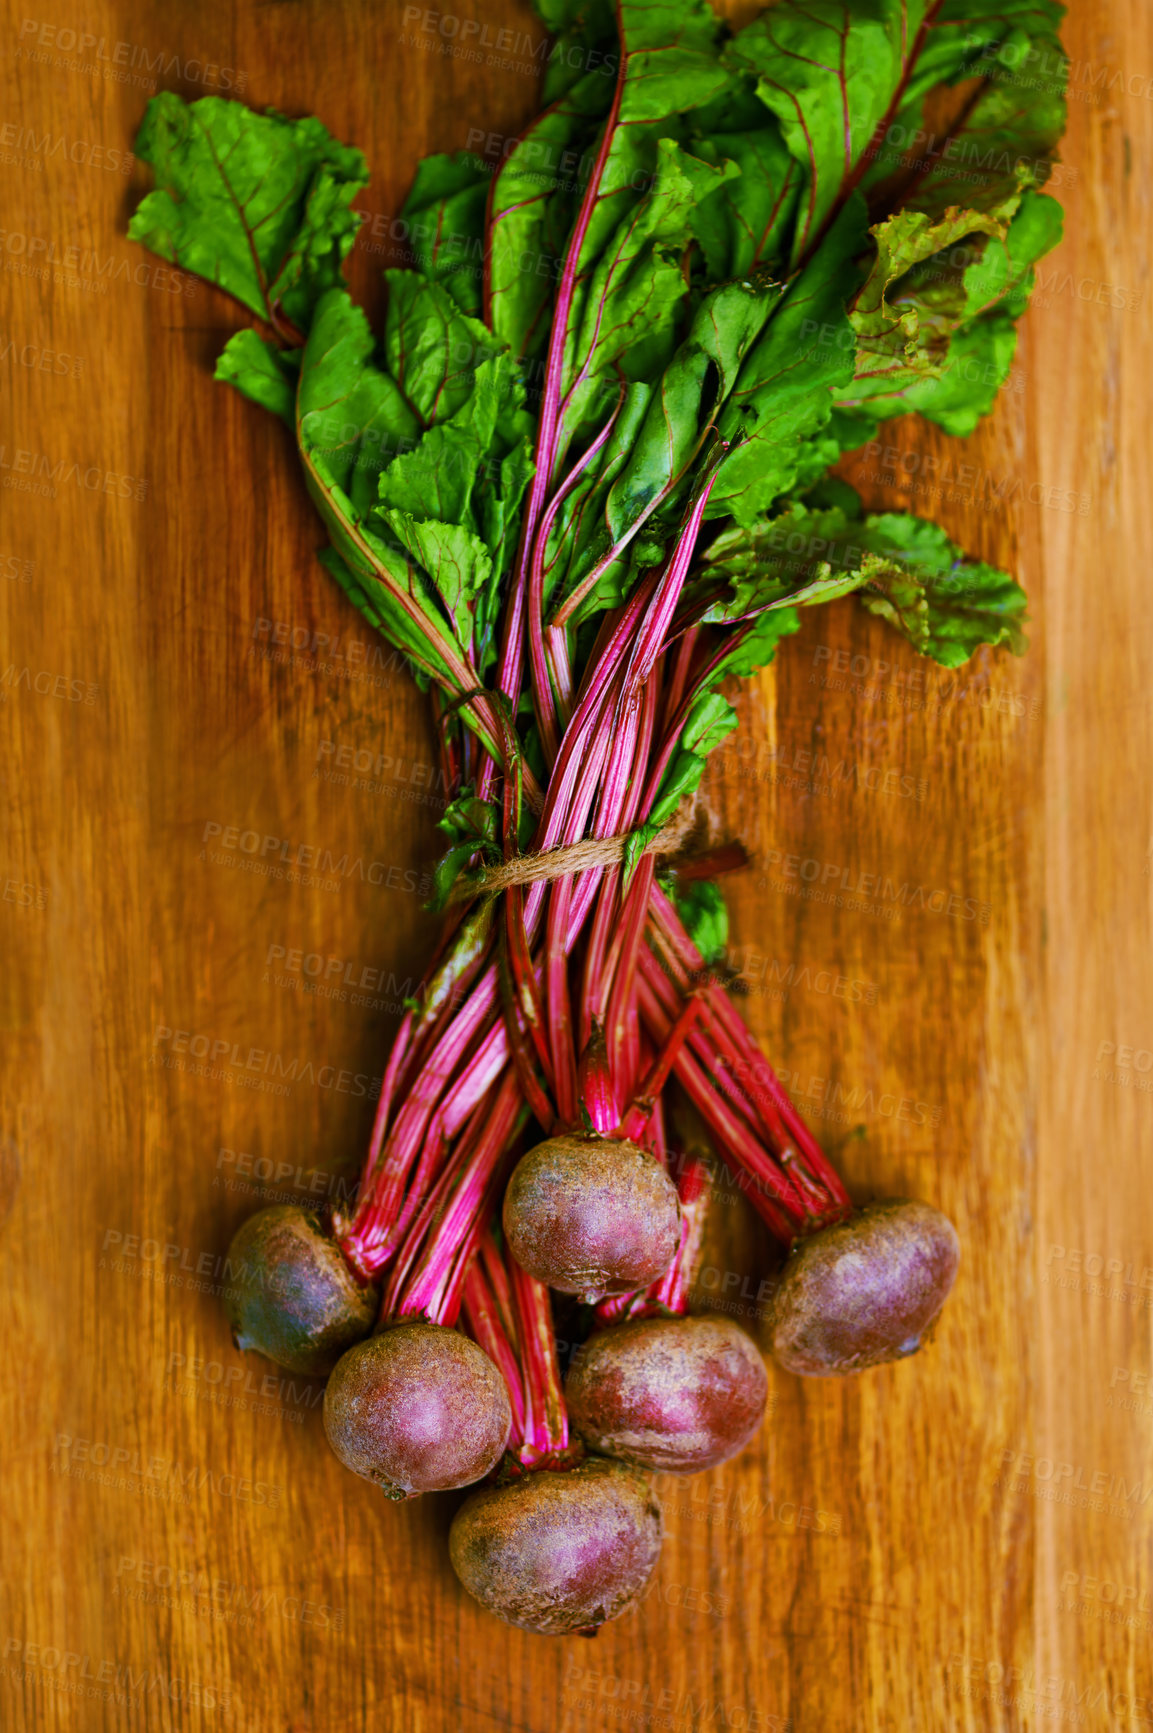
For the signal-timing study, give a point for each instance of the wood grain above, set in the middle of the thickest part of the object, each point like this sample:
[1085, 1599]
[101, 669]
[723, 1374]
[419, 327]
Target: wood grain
[900, 1552]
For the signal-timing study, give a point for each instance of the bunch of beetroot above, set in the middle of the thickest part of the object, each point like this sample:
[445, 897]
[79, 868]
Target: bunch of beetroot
[567, 1529]
[581, 479]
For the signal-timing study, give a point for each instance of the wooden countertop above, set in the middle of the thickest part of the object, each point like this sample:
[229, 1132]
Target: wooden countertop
[958, 1542]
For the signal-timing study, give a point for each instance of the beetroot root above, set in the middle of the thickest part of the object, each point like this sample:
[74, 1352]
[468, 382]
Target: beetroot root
[417, 1409]
[290, 1293]
[864, 1291]
[559, 1552]
[674, 1394]
[591, 1216]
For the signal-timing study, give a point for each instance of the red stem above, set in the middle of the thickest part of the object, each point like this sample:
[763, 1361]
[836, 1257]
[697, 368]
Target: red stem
[546, 1434]
[669, 1295]
[428, 1276]
[512, 651]
[648, 1096]
[490, 1331]
[508, 1313]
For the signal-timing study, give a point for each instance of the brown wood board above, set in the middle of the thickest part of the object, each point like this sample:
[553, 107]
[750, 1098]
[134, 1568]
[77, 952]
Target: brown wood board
[962, 1541]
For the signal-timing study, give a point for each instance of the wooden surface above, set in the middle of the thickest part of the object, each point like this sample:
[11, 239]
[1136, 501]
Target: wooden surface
[898, 1552]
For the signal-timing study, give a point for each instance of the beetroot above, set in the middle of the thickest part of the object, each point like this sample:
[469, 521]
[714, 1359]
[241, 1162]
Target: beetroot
[591, 1216]
[417, 1409]
[291, 1294]
[559, 1551]
[864, 1291]
[675, 1394]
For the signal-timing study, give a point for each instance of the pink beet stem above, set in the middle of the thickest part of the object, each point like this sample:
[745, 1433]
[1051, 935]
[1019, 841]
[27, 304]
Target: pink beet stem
[489, 1331]
[429, 1273]
[546, 1433]
[507, 1312]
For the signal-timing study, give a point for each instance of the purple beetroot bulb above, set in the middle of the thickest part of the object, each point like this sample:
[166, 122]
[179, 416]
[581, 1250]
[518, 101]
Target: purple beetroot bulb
[557, 1552]
[592, 1216]
[864, 1291]
[418, 1408]
[677, 1395]
[290, 1293]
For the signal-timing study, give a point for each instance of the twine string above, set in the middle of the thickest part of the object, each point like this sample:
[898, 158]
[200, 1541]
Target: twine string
[575, 857]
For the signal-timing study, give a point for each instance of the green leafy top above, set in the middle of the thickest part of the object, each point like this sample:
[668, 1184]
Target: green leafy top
[255, 203]
[712, 265]
[902, 567]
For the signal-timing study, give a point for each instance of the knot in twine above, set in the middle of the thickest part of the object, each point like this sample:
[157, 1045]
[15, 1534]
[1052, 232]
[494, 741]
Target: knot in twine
[576, 857]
